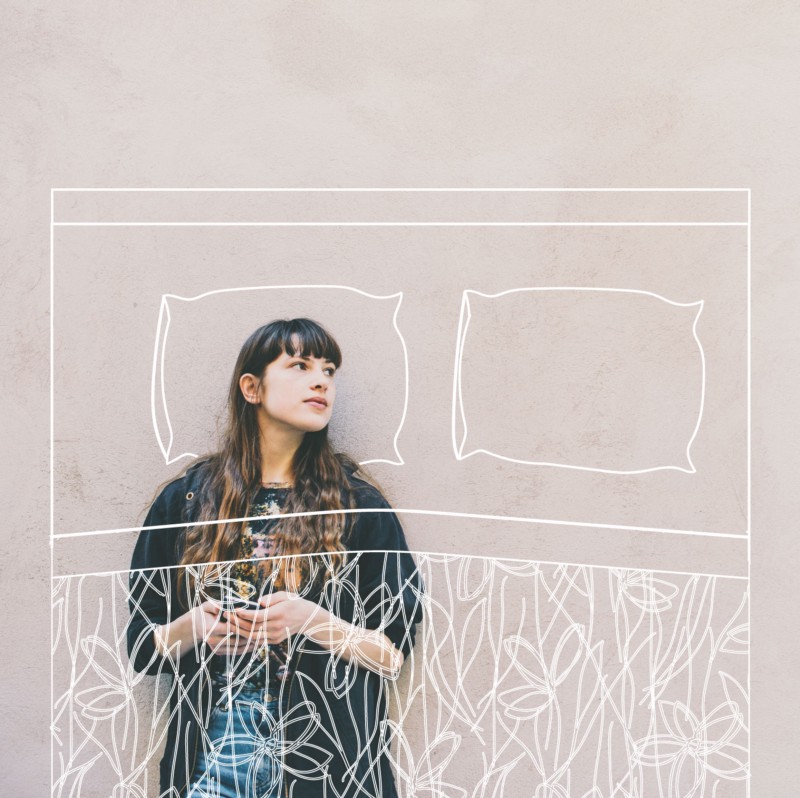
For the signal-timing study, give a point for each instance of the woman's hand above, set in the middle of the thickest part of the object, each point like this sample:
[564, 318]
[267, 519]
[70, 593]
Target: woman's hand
[287, 614]
[202, 624]
[284, 614]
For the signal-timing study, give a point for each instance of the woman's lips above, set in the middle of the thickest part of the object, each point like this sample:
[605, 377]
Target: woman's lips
[318, 403]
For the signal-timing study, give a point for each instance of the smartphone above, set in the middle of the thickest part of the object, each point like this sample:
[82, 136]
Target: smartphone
[233, 602]
[244, 604]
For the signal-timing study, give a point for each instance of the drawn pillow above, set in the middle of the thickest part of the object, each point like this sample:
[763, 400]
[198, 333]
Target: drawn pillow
[607, 380]
[199, 338]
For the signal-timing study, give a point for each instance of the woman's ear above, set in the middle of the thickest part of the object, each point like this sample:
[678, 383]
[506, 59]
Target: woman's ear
[249, 385]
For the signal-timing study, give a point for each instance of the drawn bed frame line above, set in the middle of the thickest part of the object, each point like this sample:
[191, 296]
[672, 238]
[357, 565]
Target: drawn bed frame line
[748, 224]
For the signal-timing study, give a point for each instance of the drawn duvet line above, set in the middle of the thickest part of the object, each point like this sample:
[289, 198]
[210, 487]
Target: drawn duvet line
[158, 383]
[458, 411]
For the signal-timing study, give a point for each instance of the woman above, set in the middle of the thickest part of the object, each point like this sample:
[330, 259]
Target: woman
[279, 623]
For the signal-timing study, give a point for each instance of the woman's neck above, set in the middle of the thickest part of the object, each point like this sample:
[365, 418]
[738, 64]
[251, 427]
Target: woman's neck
[277, 447]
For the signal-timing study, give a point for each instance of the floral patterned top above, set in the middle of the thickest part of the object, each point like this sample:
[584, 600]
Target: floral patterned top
[264, 668]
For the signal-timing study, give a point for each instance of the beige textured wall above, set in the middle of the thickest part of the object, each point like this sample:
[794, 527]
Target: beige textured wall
[419, 95]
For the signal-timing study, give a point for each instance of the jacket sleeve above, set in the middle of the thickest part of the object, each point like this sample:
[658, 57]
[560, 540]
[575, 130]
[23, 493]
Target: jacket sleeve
[388, 582]
[150, 591]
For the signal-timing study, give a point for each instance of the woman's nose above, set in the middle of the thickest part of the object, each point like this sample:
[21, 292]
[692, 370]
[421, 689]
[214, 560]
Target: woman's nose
[322, 380]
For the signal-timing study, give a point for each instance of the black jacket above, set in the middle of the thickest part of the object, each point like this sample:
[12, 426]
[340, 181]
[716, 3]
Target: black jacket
[335, 737]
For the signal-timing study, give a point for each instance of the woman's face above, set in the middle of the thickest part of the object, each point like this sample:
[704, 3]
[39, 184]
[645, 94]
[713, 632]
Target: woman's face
[299, 391]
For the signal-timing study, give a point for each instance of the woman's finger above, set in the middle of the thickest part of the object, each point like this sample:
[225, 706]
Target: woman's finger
[250, 616]
[210, 609]
[249, 625]
[275, 633]
[249, 631]
[217, 645]
[219, 627]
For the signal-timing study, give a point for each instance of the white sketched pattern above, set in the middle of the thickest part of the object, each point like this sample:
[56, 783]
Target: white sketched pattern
[527, 679]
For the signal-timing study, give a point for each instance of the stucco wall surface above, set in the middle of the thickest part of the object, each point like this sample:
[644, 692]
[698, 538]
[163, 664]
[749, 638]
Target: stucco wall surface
[581, 402]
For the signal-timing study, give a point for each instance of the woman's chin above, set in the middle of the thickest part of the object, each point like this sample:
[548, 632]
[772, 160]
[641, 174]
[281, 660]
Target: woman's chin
[312, 427]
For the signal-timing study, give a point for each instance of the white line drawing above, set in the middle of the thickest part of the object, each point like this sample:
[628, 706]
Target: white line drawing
[458, 405]
[158, 385]
[409, 189]
[51, 458]
[549, 680]
[430, 554]
[400, 224]
[749, 464]
[599, 190]
[553, 789]
[451, 514]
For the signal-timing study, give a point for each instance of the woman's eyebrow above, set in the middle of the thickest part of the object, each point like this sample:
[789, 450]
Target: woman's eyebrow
[306, 357]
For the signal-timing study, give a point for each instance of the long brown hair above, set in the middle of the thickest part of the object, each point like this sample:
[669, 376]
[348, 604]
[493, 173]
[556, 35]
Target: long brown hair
[231, 476]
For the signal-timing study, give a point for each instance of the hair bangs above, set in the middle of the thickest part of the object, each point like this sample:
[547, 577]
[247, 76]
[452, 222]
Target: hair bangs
[309, 339]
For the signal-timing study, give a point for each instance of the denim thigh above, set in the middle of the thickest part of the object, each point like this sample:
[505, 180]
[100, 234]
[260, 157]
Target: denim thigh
[239, 755]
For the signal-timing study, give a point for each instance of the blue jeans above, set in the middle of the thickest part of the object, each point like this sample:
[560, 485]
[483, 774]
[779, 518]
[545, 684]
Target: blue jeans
[240, 753]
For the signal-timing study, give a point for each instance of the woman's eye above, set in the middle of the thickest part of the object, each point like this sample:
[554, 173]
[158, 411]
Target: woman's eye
[329, 370]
